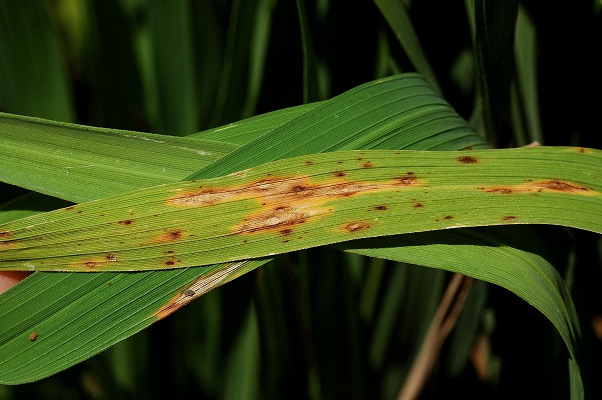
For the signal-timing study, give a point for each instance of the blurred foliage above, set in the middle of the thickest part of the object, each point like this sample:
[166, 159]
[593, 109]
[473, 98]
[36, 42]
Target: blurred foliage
[320, 324]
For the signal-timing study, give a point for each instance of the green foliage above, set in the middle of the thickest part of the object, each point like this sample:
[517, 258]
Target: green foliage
[316, 323]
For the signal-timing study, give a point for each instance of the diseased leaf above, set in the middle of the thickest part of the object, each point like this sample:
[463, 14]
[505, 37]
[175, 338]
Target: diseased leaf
[310, 201]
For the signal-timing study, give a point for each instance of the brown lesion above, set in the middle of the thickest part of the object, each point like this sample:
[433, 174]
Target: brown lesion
[7, 244]
[467, 159]
[170, 235]
[126, 222]
[171, 263]
[355, 226]
[551, 185]
[287, 201]
[509, 218]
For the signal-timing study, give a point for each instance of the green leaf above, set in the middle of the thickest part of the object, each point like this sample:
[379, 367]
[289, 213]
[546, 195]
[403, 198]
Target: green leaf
[79, 163]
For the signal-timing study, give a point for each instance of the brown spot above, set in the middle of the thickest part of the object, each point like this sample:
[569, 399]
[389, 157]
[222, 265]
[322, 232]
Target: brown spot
[508, 218]
[468, 148]
[408, 180]
[111, 257]
[33, 336]
[418, 205]
[380, 208]
[169, 236]
[188, 292]
[5, 234]
[169, 263]
[356, 226]
[126, 222]
[367, 164]
[410, 173]
[169, 252]
[339, 173]
[583, 150]
[286, 232]
[467, 160]
[309, 162]
[553, 185]
[80, 211]
[448, 217]
[69, 208]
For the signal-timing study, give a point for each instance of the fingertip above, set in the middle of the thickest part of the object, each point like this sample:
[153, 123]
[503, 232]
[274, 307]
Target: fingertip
[9, 279]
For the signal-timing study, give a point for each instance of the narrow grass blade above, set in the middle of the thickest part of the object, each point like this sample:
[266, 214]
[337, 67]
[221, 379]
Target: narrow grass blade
[79, 163]
[400, 23]
[32, 78]
[494, 23]
[174, 67]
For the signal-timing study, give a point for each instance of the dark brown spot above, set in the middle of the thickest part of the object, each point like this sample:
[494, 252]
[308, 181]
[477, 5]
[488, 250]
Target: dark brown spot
[298, 189]
[380, 208]
[69, 208]
[407, 180]
[410, 173]
[309, 162]
[169, 252]
[468, 160]
[286, 232]
[189, 292]
[367, 164]
[169, 263]
[448, 217]
[5, 234]
[418, 205]
[33, 336]
[339, 173]
[356, 226]
[80, 211]
[468, 148]
[111, 257]
[245, 241]
[90, 264]
[174, 234]
[126, 222]
[508, 218]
